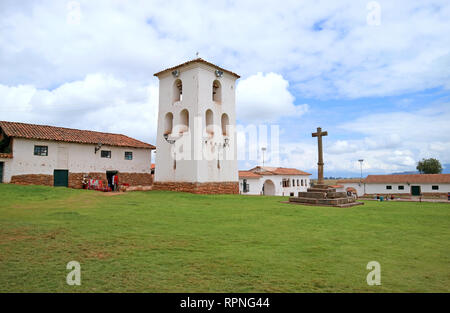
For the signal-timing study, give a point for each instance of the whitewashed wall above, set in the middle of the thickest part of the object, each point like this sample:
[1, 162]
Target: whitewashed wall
[381, 188]
[256, 185]
[197, 80]
[6, 169]
[77, 158]
[358, 187]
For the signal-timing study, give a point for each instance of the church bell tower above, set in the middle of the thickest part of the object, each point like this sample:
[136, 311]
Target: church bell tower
[196, 137]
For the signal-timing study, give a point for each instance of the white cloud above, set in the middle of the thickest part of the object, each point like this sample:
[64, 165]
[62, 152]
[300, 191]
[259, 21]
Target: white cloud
[264, 98]
[388, 143]
[324, 48]
[98, 102]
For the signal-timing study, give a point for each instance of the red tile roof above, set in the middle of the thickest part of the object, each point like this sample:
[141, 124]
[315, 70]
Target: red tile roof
[412, 179]
[266, 170]
[44, 132]
[197, 60]
[349, 180]
[248, 174]
[288, 171]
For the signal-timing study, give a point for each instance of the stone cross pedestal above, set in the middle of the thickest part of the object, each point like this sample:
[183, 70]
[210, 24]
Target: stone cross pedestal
[321, 194]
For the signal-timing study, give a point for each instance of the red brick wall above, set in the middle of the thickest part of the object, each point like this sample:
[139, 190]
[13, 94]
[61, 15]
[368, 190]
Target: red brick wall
[33, 179]
[75, 179]
[199, 188]
[437, 195]
[136, 179]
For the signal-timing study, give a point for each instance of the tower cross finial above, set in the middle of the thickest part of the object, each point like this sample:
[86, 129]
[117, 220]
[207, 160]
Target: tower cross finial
[319, 134]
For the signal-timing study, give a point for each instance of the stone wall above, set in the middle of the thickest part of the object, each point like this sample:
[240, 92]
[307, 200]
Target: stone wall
[33, 179]
[136, 179]
[132, 179]
[435, 195]
[199, 188]
[429, 195]
[75, 179]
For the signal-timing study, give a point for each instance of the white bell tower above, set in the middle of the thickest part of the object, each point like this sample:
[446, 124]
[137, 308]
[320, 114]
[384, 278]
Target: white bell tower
[196, 139]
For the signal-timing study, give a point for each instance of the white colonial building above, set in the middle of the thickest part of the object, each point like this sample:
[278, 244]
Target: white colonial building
[432, 185]
[273, 181]
[196, 135]
[57, 156]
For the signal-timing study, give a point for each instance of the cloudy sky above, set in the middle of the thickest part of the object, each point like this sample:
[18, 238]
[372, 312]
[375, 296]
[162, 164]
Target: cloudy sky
[375, 75]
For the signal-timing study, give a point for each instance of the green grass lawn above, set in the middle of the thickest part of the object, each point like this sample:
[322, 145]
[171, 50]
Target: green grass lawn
[175, 242]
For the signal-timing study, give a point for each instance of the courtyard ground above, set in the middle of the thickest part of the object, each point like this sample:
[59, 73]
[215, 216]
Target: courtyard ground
[176, 242]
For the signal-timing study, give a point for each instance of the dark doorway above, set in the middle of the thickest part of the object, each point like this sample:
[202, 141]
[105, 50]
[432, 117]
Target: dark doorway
[415, 190]
[109, 177]
[61, 178]
[1, 172]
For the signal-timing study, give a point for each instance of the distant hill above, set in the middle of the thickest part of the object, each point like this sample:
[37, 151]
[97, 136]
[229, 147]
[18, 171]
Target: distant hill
[445, 170]
[406, 173]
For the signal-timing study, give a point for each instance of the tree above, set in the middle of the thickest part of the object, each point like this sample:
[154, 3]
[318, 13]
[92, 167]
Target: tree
[429, 166]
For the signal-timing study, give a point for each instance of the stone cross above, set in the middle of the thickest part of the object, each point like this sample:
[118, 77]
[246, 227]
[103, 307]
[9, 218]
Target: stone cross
[319, 134]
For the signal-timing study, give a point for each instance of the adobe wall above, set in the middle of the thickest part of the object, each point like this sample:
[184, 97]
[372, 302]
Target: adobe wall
[75, 179]
[32, 179]
[199, 188]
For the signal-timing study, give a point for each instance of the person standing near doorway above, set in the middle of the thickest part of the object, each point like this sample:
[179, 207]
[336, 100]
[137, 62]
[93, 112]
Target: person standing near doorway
[115, 182]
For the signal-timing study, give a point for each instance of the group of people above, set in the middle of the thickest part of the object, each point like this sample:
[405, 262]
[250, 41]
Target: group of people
[98, 184]
[386, 198]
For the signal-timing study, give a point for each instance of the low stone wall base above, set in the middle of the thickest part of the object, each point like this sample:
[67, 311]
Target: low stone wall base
[199, 188]
[428, 195]
[32, 179]
[76, 179]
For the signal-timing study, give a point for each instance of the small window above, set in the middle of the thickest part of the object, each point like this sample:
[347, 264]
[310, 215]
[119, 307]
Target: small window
[128, 155]
[389, 187]
[106, 154]
[41, 150]
[298, 183]
[401, 187]
[435, 187]
[302, 182]
[216, 92]
[291, 194]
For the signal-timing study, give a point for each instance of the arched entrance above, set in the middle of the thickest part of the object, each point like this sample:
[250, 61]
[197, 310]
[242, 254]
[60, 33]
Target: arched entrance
[352, 191]
[269, 188]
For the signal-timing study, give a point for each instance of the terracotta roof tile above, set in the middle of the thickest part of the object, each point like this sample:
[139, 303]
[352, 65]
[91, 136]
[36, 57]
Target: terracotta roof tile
[266, 170]
[412, 179]
[45, 132]
[349, 180]
[248, 174]
[289, 171]
[197, 60]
